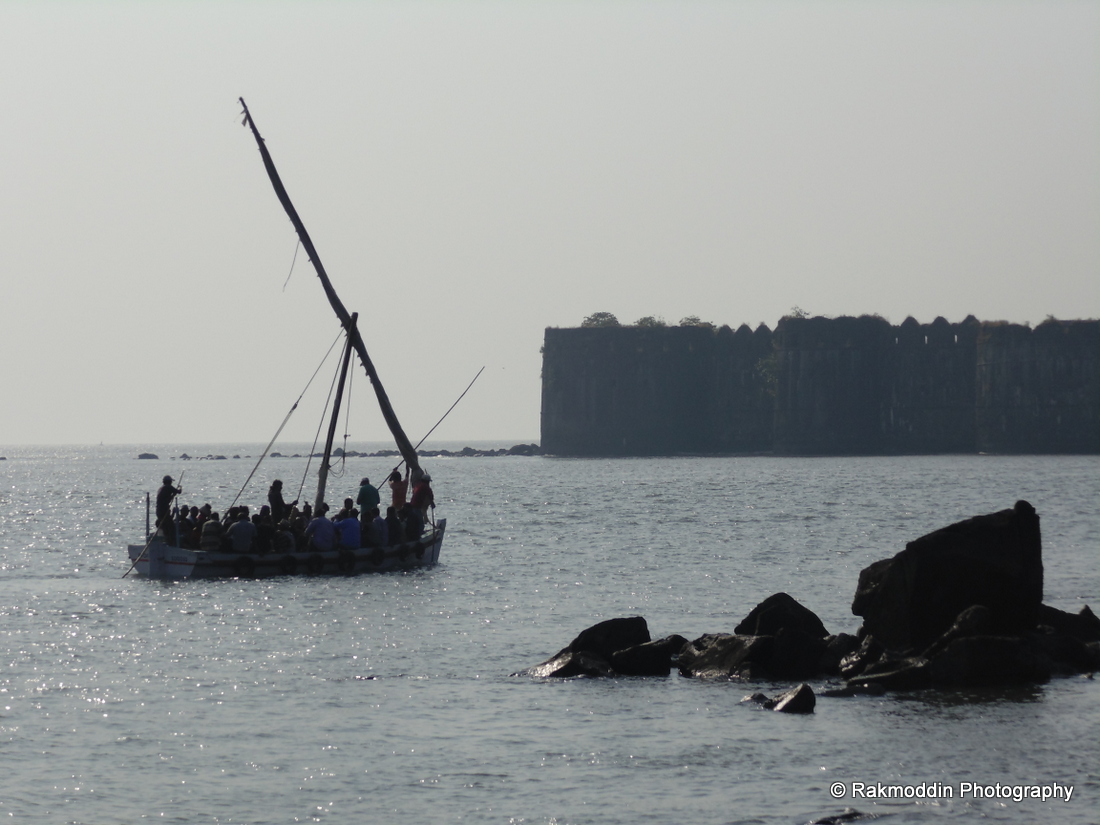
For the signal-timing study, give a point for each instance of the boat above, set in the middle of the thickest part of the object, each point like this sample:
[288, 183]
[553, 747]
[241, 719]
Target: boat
[159, 557]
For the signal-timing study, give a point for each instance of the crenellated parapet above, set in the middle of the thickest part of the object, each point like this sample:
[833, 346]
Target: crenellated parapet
[823, 386]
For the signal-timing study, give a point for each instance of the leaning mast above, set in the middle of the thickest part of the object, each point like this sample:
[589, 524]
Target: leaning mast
[404, 446]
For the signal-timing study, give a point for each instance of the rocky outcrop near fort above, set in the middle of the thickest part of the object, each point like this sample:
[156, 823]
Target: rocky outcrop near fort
[959, 607]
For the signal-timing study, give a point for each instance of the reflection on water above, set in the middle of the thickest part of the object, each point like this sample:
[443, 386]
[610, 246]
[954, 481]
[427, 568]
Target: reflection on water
[387, 697]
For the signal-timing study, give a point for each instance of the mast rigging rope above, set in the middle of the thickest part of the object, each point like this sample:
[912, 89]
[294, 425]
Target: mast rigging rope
[285, 420]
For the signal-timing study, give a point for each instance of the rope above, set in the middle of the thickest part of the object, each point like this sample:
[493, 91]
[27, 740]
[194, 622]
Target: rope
[321, 423]
[285, 420]
[292, 262]
[440, 421]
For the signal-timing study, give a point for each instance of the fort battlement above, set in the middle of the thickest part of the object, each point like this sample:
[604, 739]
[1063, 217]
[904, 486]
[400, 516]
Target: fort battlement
[823, 386]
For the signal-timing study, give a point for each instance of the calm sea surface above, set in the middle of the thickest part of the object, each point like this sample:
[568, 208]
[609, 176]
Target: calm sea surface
[387, 698]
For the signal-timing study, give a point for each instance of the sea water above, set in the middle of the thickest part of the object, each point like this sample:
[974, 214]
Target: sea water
[388, 698]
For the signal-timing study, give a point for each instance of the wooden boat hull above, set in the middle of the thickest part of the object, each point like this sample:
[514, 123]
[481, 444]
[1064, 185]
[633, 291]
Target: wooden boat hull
[161, 561]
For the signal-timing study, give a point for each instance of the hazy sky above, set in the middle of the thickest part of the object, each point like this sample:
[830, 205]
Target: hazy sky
[473, 172]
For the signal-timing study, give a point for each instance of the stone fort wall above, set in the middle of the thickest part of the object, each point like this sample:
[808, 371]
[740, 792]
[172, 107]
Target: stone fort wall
[823, 386]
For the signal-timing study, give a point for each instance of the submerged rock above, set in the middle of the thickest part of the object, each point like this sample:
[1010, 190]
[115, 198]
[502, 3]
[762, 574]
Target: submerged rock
[797, 700]
[570, 663]
[849, 815]
[616, 647]
[648, 659]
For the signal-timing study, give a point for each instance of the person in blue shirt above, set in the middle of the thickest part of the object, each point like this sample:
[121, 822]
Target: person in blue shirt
[320, 532]
[347, 528]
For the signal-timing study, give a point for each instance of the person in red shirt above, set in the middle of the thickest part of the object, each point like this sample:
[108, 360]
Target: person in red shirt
[422, 496]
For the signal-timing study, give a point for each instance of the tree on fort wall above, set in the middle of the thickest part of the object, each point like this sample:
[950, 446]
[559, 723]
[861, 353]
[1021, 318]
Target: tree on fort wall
[601, 319]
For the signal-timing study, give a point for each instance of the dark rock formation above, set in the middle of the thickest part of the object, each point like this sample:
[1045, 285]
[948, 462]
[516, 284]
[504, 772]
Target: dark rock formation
[648, 659]
[909, 601]
[616, 647]
[612, 635]
[989, 660]
[849, 815]
[1083, 626]
[465, 452]
[726, 656]
[962, 606]
[781, 612]
[958, 607]
[147, 455]
[779, 639]
[569, 663]
[797, 700]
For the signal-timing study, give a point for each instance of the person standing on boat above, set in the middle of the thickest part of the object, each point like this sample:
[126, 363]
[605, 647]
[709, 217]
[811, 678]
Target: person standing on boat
[165, 496]
[367, 500]
[400, 488]
[279, 508]
[423, 497]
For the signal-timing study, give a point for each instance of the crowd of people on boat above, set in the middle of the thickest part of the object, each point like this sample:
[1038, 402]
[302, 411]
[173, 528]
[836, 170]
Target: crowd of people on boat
[279, 527]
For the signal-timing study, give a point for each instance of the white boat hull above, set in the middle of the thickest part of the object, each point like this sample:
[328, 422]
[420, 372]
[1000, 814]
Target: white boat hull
[158, 560]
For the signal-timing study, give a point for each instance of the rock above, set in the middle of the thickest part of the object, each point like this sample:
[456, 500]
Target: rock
[609, 636]
[781, 612]
[525, 449]
[989, 660]
[648, 659]
[725, 656]
[1066, 654]
[590, 653]
[974, 621]
[798, 700]
[796, 655]
[889, 673]
[837, 649]
[1083, 626]
[995, 560]
[869, 652]
[147, 456]
[570, 663]
[849, 815]
[790, 654]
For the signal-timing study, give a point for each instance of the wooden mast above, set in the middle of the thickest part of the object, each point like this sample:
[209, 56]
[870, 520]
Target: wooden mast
[322, 473]
[404, 446]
